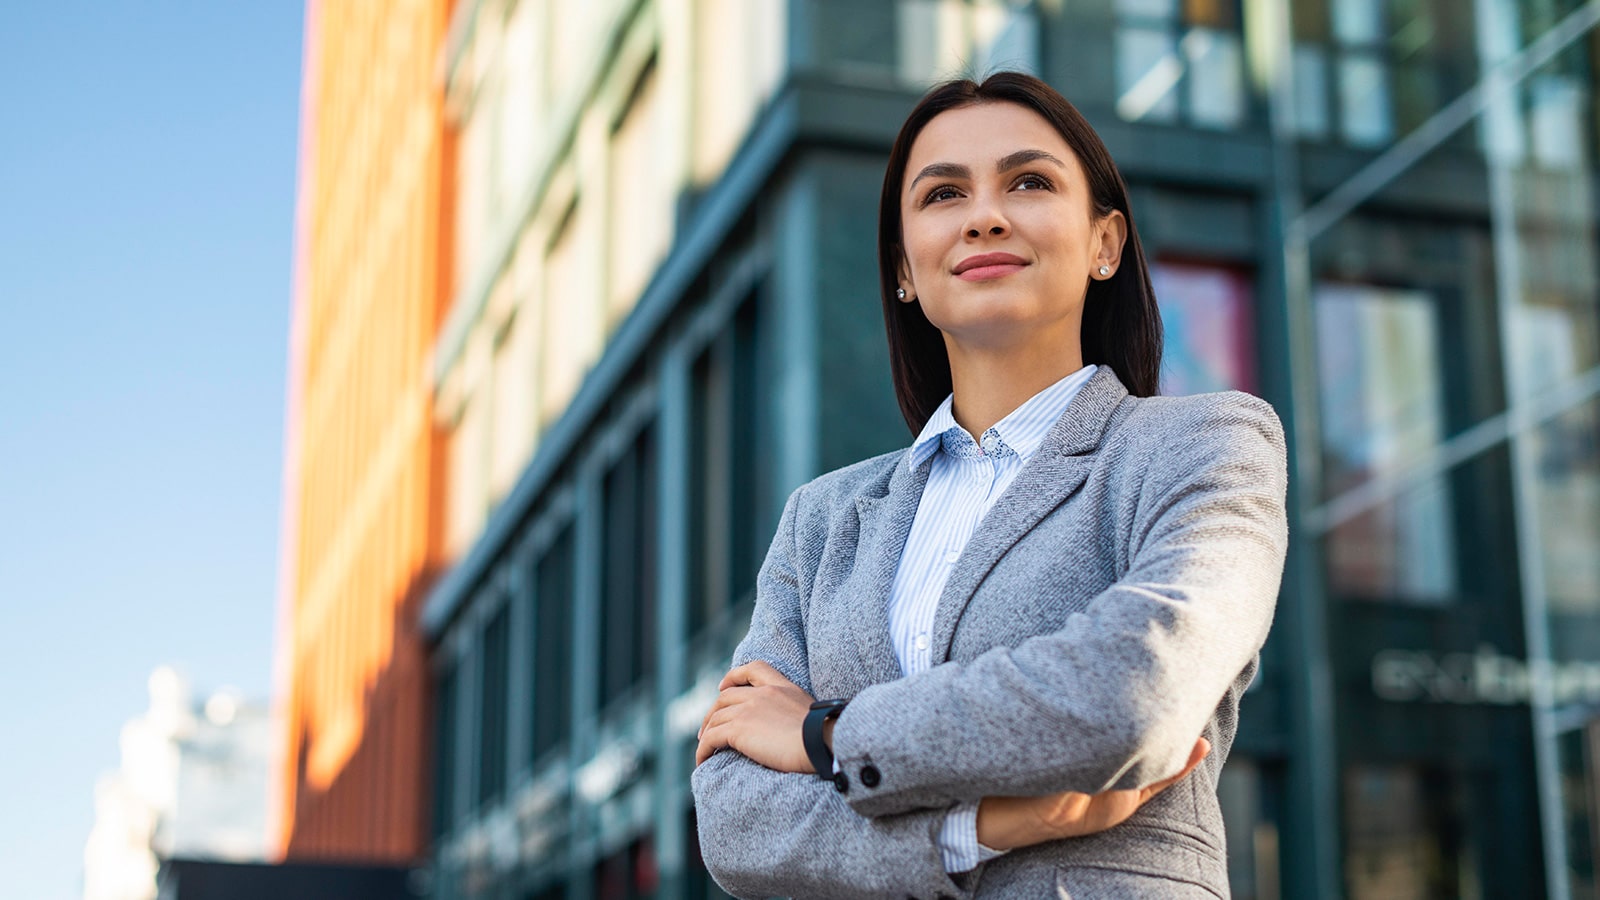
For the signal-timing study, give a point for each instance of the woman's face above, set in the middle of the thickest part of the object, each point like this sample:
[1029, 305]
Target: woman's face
[999, 235]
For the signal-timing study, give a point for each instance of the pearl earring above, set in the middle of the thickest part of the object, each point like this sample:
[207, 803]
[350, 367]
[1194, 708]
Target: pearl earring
[1104, 271]
[900, 293]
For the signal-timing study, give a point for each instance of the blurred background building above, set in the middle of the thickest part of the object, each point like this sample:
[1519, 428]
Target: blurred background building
[193, 782]
[359, 506]
[584, 290]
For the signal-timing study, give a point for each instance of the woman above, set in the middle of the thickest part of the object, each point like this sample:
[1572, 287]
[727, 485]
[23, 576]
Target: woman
[1025, 620]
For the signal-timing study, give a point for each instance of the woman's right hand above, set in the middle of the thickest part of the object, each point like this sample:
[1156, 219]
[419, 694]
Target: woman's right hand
[1006, 823]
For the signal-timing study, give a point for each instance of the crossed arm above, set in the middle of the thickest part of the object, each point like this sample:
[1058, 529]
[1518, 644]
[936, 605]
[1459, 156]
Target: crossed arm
[1206, 551]
[765, 832]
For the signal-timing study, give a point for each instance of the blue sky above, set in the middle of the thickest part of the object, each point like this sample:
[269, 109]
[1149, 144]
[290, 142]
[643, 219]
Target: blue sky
[147, 168]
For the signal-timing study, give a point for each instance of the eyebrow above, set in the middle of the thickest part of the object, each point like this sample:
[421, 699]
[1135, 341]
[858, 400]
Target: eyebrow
[1007, 163]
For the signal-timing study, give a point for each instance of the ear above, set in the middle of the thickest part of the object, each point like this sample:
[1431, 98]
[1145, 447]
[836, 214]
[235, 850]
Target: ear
[903, 276]
[1111, 235]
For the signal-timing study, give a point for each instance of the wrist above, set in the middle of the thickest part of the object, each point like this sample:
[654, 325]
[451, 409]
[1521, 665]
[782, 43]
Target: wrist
[1003, 823]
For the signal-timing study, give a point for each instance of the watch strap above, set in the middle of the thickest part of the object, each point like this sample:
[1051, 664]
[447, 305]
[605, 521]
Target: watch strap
[811, 735]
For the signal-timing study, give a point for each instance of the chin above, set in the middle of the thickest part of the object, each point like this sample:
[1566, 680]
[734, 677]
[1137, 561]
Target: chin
[993, 332]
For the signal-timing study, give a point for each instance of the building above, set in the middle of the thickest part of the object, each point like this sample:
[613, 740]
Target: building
[661, 317]
[193, 782]
[358, 548]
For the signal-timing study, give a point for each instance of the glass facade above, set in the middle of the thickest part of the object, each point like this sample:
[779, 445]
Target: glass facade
[1449, 274]
[1377, 214]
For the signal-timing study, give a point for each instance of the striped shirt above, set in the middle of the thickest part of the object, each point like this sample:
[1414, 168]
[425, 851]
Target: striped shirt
[966, 479]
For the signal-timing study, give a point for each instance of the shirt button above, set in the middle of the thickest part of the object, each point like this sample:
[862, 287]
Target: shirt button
[841, 783]
[922, 644]
[951, 556]
[870, 775]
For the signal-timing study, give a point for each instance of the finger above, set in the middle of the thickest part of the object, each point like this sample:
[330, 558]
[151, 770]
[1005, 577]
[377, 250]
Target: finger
[1197, 754]
[718, 712]
[723, 700]
[735, 695]
[714, 738]
[1151, 790]
[706, 719]
[704, 750]
[1202, 747]
[736, 675]
[755, 673]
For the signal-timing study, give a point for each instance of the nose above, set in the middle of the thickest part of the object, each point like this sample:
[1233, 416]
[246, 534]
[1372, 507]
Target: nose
[987, 219]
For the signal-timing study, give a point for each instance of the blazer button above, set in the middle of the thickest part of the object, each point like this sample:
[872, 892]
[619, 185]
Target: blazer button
[841, 783]
[870, 775]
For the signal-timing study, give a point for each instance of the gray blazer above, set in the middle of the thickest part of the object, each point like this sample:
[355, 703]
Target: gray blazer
[1107, 611]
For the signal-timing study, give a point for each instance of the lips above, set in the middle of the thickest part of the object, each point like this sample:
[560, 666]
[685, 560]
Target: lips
[988, 265]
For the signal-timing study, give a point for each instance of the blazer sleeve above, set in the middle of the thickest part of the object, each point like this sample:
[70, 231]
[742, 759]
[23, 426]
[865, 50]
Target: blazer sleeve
[1117, 697]
[766, 833]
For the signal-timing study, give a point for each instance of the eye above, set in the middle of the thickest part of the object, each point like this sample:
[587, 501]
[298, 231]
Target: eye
[1034, 182]
[942, 192]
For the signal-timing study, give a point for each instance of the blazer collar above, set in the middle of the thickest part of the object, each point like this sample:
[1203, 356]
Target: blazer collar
[1081, 427]
[885, 524]
[1055, 473]
[1056, 470]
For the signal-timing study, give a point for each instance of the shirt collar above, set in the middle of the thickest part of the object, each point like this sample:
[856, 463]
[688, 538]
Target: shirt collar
[1022, 430]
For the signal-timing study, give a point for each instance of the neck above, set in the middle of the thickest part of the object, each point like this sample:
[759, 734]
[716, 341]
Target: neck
[987, 384]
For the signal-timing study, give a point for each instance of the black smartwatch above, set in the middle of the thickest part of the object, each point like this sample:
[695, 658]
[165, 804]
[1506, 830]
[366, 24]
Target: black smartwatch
[811, 735]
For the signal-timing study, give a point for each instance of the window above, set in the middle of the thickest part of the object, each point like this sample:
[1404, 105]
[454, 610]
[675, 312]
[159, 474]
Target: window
[641, 197]
[472, 196]
[520, 98]
[444, 753]
[1403, 834]
[939, 39]
[1578, 753]
[1559, 346]
[515, 423]
[574, 28]
[1247, 792]
[572, 339]
[628, 573]
[726, 543]
[492, 712]
[630, 873]
[709, 503]
[1368, 70]
[552, 646]
[1180, 61]
[743, 56]
[1209, 332]
[1383, 412]
[468, 475]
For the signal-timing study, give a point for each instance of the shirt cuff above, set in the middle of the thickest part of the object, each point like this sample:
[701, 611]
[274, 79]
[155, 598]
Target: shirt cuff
[958, 840]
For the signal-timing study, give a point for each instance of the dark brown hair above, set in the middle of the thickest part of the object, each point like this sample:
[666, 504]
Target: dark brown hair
[1121, 325]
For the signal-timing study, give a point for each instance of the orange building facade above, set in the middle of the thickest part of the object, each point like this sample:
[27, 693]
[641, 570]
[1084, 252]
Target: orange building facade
[358, 551]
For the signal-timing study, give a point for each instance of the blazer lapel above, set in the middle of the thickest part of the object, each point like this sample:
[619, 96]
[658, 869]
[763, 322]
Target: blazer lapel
[885, 525]
[1055, 472]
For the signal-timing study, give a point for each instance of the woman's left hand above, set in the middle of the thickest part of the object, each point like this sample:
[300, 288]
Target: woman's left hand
[758, 713]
